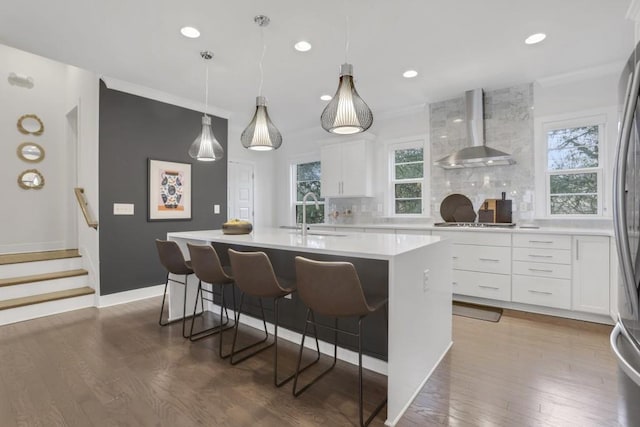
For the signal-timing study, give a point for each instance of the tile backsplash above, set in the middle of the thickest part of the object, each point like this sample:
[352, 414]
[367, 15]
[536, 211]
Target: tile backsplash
[508, 115]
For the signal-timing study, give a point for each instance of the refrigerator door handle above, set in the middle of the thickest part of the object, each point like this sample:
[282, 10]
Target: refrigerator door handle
[619, 200]
[631, 372]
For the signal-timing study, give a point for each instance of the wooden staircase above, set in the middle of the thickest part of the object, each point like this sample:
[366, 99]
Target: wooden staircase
[37, 284]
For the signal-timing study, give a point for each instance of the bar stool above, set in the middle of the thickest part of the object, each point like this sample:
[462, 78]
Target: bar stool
[208, 269]
[255, 277]
[173, 261]
[333, 289]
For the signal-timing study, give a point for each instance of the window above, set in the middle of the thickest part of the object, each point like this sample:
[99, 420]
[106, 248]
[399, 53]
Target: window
[407, 178]
[307, 179]
[574, 169]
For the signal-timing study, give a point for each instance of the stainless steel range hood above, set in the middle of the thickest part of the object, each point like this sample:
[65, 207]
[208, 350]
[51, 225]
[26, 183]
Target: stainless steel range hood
[478, 154]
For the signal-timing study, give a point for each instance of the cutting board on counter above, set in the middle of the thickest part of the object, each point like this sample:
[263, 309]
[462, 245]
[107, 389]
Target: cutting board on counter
[487, 211]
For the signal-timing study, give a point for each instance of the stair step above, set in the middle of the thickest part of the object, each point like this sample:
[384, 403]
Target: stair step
[51, 296]
[42, 277]
[38, 256]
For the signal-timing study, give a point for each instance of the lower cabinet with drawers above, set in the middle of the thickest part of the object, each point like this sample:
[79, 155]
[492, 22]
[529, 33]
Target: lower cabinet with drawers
[542, 270]
[481, 264]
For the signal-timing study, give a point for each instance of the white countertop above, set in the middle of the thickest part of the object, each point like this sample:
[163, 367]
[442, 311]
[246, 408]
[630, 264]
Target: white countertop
[359, 245]
[516, 229]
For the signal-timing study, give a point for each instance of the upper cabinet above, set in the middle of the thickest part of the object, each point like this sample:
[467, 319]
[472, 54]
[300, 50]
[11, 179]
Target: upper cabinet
[347, 169]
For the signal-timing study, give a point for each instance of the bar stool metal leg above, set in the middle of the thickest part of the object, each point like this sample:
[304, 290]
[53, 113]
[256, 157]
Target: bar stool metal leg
[195, 336]
[235, 351]
[310, 314]
[184, 305]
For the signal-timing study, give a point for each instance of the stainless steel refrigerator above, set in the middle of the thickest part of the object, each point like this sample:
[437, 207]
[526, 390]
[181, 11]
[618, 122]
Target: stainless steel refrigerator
[625, 338]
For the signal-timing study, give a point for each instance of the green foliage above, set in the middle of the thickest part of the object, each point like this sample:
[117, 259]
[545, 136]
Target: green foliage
[574, 204]
[409, 155]
[578, 183]
[308, 171]
[409, 191]
[304, 187]
[314, 215]
[411, 206]
[410, 171]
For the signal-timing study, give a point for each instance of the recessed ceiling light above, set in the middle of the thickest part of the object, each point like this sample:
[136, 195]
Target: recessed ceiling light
[458, 120]
[535, 38]
[409, 74]
[190, 32]
[302, 46]
[326, 97]
[443, 136]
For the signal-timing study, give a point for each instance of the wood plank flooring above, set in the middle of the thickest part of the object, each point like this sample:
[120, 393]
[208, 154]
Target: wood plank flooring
[116, 367]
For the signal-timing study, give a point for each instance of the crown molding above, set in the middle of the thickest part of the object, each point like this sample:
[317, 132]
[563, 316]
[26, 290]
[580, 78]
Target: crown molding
[612, 68]
[157, 95]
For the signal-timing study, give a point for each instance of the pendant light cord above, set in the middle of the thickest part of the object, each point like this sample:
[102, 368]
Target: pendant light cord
[264, 49]
[346, 30]
[206, 89]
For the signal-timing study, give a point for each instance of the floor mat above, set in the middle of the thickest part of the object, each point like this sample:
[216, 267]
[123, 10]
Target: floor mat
[474, 311]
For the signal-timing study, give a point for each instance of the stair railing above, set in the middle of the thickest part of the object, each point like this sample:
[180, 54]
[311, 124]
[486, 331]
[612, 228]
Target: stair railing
[84, 207]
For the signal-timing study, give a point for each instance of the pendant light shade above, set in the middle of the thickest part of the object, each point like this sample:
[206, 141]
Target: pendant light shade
[261, 134]
[347, 113]
[205, 147]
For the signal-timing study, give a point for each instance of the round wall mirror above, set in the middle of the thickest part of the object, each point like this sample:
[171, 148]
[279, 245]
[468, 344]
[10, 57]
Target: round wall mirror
[31, 179]
[30, 124]
[30, 152]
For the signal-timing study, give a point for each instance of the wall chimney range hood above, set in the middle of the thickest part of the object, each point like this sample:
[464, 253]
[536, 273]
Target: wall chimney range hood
[478, 154]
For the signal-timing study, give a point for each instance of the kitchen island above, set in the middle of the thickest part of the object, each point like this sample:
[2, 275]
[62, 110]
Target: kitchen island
[414, 270]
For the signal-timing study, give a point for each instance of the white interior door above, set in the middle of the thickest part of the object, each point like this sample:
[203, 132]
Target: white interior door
[241, 191]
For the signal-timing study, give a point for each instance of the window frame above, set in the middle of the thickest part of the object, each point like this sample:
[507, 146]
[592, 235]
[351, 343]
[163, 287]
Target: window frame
[403, 144]
[293, 199]
[544, 173]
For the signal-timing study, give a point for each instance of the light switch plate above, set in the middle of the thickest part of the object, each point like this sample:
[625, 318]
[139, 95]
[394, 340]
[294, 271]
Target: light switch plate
[123, 208]
[216, 209]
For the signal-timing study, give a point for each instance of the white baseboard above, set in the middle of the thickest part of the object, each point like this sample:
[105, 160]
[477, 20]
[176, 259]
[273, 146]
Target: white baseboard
[130, 296]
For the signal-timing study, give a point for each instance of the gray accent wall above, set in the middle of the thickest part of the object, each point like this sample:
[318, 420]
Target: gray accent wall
[134, 129]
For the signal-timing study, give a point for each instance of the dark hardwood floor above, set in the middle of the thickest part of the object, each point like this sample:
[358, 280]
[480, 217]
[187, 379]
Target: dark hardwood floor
[116, 367]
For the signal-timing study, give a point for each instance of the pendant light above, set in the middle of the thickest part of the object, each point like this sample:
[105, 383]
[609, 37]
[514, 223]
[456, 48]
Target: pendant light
[261, 134]
[346, 113]
[205, 147]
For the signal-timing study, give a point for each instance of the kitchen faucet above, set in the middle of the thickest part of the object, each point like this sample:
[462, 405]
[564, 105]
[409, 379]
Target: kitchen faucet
[304, 211]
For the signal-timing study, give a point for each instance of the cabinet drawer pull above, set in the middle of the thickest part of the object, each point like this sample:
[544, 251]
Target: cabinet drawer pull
[541, 270]
[488, 287]
[454, 257]
[540, 256]
[489, 259]
[540, 241]
[540, 292]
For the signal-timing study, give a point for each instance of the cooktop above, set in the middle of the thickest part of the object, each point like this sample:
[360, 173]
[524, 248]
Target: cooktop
[475, 224]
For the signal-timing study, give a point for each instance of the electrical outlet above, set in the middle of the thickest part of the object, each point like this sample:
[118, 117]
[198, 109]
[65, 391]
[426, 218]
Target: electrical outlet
[425, 280]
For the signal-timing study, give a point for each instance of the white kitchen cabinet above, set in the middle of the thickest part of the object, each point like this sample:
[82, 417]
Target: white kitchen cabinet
[591, 274]
[542, 270]
[346, 169]
[481, 263]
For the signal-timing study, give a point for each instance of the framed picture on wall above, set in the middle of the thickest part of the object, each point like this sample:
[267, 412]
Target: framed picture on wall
[169, 190]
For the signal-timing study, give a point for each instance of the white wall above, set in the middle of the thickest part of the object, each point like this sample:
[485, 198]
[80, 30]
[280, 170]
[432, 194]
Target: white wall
[583, 93]
[82, 92]
[33, 220]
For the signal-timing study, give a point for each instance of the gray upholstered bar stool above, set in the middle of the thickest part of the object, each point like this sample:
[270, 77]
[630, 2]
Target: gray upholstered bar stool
[254, 275]
[333, 289]
[173, 261]
[209, 270]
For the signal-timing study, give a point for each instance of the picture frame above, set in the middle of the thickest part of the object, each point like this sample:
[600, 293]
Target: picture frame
[169, 191]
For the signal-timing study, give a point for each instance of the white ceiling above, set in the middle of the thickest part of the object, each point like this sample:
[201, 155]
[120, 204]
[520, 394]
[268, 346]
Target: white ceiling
[456, 45]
